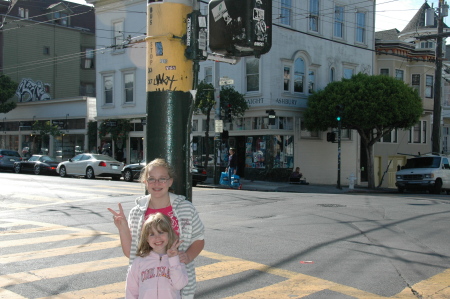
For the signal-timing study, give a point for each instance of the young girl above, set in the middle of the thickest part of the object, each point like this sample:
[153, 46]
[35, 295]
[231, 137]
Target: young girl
[157, 272]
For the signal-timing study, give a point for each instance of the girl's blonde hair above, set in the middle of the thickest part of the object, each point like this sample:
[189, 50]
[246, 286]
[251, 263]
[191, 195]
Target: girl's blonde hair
[158, 222]
[155, 163]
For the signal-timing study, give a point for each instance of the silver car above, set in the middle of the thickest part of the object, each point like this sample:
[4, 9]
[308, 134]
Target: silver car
[8, 158]
[91, 166]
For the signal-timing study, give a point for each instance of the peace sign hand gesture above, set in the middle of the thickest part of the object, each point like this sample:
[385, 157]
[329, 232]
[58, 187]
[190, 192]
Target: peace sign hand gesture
[173, 251]
[119, 218]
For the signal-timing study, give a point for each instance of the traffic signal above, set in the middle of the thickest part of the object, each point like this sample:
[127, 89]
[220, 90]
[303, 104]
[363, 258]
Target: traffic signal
[240, 27]
[331, 136]
[338, 112]
[229, 113]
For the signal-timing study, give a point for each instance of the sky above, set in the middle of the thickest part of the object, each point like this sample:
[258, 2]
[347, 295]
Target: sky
[389, 13]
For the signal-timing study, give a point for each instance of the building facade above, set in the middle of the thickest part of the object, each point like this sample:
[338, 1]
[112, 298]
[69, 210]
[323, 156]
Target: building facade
[403, 56]
[48, 48]
[332, 42]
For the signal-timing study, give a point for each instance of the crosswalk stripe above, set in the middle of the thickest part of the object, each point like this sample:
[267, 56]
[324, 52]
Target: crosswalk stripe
[39, 254]
[12, 205]
[55, 238]
[5, 294]
[61, 271]
[34, 230]
[110, 291]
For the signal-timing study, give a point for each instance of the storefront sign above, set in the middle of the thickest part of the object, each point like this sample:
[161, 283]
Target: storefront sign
[255, 101]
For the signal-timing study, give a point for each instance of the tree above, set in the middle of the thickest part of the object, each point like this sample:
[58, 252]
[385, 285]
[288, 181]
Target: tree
[371, 105]
[230, 100]
[7, 91]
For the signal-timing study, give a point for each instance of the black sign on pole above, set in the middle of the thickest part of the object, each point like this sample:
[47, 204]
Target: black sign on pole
[240, 27]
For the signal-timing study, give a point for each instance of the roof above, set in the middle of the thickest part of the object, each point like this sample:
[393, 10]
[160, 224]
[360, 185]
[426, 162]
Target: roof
[391, 34]
[418, 21]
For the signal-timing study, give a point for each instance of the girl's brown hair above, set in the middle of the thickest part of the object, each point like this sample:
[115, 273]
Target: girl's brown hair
[159, 222]
[155, 163]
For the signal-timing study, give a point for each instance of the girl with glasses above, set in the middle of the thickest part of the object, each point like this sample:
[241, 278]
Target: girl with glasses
[157, 176]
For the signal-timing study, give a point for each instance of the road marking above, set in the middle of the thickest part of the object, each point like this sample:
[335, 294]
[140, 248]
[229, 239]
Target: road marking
[110, 291]
[62, 271]
[296, 285]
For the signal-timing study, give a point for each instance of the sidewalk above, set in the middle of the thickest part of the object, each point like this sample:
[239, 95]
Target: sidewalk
[296, 188]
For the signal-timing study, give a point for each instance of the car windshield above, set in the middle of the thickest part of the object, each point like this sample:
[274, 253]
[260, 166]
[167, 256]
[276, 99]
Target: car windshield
[33, 158]
[423, 162]
[103, 157]
[47, 159]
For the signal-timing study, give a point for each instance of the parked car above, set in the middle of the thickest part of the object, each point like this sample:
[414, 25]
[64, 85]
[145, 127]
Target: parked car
[37, 164]
[91, 166]
[8, 158]
[430, 172]
[132, 172]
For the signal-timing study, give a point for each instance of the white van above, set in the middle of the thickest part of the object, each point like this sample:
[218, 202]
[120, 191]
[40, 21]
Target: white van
[429, 172]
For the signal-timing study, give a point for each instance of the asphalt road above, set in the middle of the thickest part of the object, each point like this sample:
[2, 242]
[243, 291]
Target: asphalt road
[57, 240]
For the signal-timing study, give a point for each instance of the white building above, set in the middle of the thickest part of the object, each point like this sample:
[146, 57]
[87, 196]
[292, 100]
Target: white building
[314, 42]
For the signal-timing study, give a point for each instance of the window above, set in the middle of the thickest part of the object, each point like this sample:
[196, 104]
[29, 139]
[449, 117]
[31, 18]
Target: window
[426, 45]
[252, 71]
[299, 74]
[314, 15]
[348, 73]
[287, 78]
[332, 74]
[360, 27]
[61, 18]
[208, 75]
[384, 72]
[23, 12]
[390, 137]
[108, 89]
[429, 86]
[128, 80]
[118, 34]
[418, 134]
[88, 62]
[399, 74]
[339, 21]
[87, 89]
[311, 81]
[286, 11]
[46, 51]
[415, 82]
[195, 125]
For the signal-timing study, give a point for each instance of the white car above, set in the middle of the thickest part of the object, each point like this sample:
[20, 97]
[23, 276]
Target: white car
[91, 166]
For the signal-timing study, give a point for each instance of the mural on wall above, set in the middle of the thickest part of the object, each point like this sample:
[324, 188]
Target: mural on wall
[29, 91]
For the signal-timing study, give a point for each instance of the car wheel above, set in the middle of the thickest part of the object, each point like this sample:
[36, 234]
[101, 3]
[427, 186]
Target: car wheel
[37, 170]
[17, 168]
[116, 177]
[438, 187]
[62, 171]
[90, 173]
[194, 183]
[128, 175]
[401, 189]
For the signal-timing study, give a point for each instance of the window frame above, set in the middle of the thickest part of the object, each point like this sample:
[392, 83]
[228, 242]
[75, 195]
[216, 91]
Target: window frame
[400, 74]
[118, 36]
[252, 76]
[286, 9]
[429, 86]
[104, 91]
[314, 9]
[302, 75]
[339, 22]
[125, 73]
[361, 29]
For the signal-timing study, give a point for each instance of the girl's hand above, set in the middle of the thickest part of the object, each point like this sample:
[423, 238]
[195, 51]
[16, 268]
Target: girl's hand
[119, 218]
[173, 251]
[184, 257]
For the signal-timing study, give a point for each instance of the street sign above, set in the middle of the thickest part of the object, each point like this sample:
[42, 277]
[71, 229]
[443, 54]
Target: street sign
[218, 126]
[226, 81]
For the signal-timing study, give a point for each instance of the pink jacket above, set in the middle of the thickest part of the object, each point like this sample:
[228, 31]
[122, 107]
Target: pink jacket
[156, 276]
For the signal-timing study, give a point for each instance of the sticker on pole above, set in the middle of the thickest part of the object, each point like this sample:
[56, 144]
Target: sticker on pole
[219, 11]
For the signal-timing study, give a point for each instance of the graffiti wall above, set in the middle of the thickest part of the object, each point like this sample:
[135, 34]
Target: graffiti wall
[29, 91]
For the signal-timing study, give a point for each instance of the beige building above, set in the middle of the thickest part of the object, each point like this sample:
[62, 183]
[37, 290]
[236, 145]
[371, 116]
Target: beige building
[401, 55]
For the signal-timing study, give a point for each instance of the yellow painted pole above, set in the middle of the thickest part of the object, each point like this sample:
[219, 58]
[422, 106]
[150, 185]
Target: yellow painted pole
[169, 81]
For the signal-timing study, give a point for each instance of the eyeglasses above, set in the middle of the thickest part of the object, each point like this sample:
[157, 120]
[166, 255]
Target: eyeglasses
[160, 180]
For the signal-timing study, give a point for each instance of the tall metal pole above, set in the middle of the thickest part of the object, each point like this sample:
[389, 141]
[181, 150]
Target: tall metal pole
[436, 134]
[169, 80]
[217, 135]
[339, 156]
